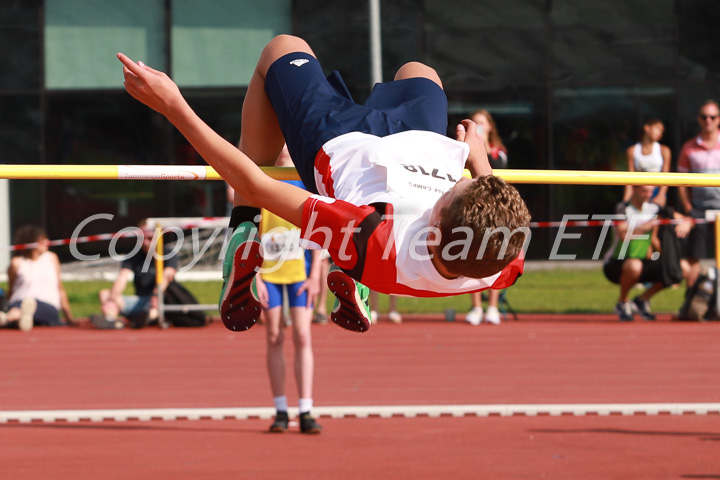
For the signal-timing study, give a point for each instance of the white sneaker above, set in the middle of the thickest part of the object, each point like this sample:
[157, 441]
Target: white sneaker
[395, 317]
[3, 319]
[373, 317]
[492, 315]
[27, 312]
[474, 316]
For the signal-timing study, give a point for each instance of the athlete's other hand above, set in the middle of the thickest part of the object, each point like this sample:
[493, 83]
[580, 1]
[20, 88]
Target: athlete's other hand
[477, 161]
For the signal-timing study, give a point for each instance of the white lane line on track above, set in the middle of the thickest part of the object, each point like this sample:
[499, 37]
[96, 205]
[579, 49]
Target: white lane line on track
[409, 411]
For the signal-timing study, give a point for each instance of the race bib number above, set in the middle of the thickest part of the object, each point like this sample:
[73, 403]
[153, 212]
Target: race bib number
[282, 244]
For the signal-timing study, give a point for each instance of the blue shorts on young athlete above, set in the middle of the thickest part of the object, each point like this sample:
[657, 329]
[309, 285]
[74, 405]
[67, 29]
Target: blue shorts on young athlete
[275, 295]
[275, 290]
[312, 109]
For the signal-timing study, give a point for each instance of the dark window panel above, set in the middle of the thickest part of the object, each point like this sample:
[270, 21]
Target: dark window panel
[486, 42]
[20, 129]
[20, 40]
[613, 41]
[498, 57]
[699, 44]
[338, 33]
[102, 128]
[402, 24]
[21, 143]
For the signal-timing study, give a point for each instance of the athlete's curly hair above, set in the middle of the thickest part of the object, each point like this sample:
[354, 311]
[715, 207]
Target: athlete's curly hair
[484, 229]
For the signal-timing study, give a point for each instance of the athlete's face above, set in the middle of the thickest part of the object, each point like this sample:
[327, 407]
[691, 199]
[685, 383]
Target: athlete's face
[447, 198]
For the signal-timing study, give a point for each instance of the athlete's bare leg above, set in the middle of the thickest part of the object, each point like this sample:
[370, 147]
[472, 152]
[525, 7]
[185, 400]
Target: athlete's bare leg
[260, 135]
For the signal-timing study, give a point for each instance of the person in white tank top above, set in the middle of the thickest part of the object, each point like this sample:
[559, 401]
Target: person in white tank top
[36, 293]
[649, 156]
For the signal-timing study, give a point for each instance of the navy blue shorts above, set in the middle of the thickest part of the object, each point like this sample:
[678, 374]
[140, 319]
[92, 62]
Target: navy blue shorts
[312, 109]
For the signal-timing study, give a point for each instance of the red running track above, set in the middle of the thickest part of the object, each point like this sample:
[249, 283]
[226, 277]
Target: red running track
[538, 360]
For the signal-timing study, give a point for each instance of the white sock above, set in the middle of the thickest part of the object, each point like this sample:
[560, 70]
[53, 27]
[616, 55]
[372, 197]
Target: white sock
[281, 403]
[305, 404]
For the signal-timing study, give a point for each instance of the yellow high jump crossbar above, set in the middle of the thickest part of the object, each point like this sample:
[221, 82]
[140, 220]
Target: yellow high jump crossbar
[199, 172]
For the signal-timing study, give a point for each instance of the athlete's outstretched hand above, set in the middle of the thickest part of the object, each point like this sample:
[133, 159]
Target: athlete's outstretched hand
[152, 87]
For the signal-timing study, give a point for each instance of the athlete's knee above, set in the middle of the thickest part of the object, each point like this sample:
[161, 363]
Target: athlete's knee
[284, 41]
[275, 338]
[279, 46]
[417, 69]
[302, 339]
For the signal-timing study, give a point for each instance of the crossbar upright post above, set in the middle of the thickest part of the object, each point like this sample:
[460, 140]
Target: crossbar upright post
[160, 275]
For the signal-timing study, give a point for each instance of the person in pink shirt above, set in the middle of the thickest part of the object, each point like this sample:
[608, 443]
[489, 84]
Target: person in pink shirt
[701, 154]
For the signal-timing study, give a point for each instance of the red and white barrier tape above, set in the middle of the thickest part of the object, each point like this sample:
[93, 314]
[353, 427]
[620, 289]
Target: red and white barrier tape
[206, 222]
[68, 241]
[600, 223]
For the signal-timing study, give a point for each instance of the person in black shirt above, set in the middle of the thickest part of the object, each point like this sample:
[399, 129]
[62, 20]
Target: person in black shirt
[140, 308]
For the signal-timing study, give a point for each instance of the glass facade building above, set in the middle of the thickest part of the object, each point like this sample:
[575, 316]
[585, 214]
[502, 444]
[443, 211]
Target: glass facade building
[569, 82]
